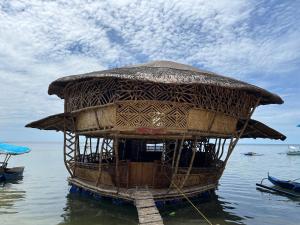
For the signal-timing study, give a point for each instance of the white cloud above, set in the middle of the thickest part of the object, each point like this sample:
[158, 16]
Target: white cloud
[43, 40]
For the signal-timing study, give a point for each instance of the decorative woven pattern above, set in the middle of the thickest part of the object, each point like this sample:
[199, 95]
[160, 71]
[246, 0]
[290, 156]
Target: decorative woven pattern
[152, 114]
[231, 102]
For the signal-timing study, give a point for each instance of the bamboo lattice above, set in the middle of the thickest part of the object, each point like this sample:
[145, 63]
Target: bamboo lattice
[103, 91]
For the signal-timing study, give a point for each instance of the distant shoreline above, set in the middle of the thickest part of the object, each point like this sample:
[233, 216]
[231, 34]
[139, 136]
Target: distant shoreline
[58, 142]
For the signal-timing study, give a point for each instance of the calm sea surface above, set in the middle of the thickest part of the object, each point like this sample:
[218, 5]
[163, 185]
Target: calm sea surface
[42, 197]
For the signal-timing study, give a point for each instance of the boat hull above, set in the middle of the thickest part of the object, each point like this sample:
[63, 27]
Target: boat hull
[293, 153]
[9, 174]
[159, 195]
[294, 186]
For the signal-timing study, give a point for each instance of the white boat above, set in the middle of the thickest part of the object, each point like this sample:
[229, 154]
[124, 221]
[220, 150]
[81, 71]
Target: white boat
[293, 150]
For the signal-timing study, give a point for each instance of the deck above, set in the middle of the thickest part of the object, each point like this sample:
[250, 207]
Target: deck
[146, 208]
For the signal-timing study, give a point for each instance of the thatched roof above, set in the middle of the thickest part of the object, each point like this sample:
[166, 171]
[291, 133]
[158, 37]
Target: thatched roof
[53, 122]
[254, 129]
[166, 72]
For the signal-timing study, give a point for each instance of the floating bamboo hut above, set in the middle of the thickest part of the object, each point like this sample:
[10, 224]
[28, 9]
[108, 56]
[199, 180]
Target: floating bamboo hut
[163, 127]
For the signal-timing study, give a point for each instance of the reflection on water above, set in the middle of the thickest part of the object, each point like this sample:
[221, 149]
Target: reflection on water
[42, 197]
[8, 196]
[215, 208]
[80, 209]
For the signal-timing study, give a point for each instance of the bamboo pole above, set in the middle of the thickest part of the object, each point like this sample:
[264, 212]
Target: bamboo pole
[76, 152]
[191, 164]
[174, 153]
[234, 142]
[177, 161]
[116, 150]
[97, 146]
[97, 119]
[100, 163]
[222, 151]
[219, 146]
[85, 147]
[91, 151]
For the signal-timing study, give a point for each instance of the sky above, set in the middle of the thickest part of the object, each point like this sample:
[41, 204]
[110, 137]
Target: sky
[40, 41]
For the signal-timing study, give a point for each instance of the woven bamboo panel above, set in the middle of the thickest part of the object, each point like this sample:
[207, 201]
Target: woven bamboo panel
[203, 120]
[224, 124]
[132, 114]
[107, 90]
[199, 119]
[152, 114]
[99, 118]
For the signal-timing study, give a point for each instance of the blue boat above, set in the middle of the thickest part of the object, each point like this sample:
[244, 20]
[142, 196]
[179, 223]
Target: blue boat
[14, 173]
[287, 184]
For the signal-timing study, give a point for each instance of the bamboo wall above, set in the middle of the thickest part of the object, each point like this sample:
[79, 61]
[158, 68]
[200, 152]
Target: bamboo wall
[130, 116]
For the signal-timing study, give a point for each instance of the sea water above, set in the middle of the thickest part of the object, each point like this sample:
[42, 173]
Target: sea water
[43, 198]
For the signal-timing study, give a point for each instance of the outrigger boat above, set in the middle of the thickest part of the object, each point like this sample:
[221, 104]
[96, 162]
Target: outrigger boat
[252, 154]
[287, 184]
[286, 187]
[14, 173]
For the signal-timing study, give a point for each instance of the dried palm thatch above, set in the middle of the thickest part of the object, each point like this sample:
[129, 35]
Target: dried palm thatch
[256, 129]
[169, 73]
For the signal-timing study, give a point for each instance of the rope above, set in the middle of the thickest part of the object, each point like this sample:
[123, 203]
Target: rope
[198, 210]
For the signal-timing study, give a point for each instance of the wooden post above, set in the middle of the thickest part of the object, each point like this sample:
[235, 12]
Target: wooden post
[174, 153]
[97, 146]
[97, 150]
[116, 150]
[177, 161]
[128, 173]
[222, 151]
[91, 151]
[100, 163]
[85, 148]
[191, 164]
[216, 153]
[76, 152]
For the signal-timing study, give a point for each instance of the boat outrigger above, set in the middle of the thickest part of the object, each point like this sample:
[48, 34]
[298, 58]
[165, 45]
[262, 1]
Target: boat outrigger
[14, 173]
[164, 127]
